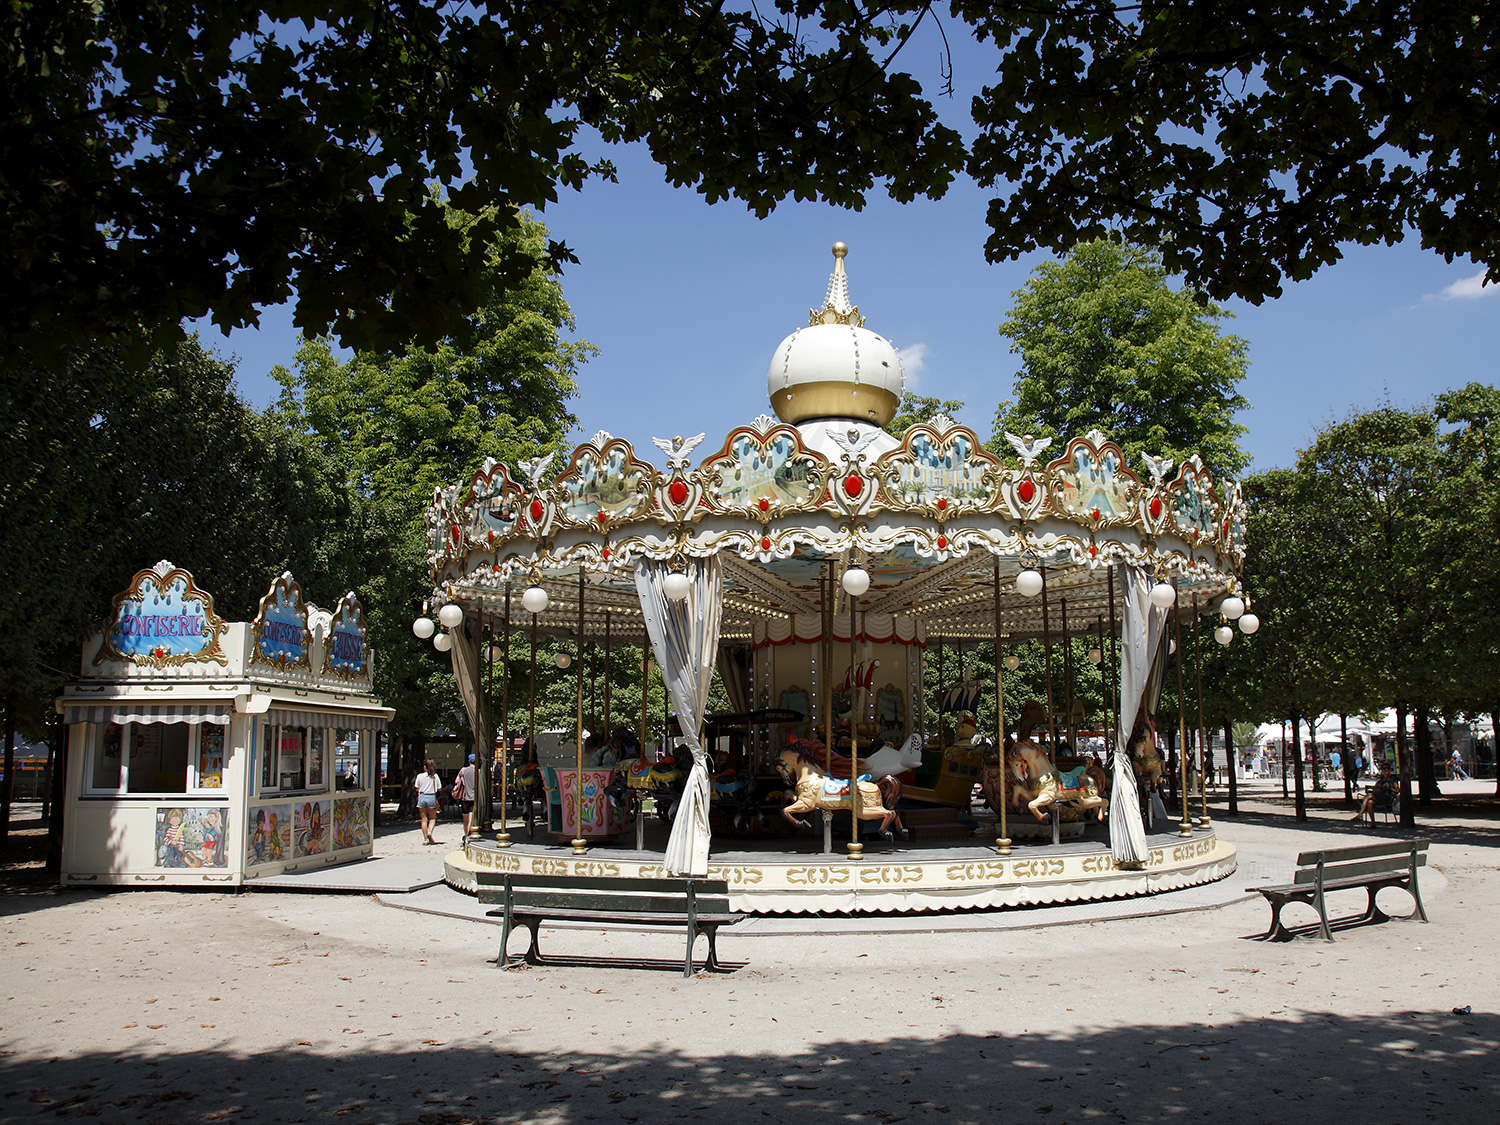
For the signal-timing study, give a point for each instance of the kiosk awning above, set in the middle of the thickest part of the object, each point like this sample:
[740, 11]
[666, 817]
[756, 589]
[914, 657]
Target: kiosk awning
[129, 711]
[347, 720]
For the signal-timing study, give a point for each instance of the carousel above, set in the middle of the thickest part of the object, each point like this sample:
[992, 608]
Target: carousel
[819, 564]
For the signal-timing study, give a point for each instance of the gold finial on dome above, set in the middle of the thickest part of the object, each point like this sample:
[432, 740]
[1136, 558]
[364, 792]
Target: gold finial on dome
[837, 308]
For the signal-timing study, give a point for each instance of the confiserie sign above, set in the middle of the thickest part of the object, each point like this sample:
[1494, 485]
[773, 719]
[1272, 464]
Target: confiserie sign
[162, 619]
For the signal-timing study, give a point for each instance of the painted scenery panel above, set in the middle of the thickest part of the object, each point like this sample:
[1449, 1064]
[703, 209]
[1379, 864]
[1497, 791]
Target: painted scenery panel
[494, 507]
[1089, 484]
[351, 823]
[1193, 510]
[270, 834]
[310, 833]
[191, 837]
[602, 484]
[774, 472]
[210, 756]
[934, 470]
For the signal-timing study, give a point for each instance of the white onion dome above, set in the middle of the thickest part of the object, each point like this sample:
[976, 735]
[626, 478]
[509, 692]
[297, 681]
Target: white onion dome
[836, 367]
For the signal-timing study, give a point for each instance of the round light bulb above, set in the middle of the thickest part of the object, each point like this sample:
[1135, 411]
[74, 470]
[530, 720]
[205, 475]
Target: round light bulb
[562, 660]
[423, 627]
[1029, 583]
[1095, 656]
[1163, 595]
[1223, 634]
[442, 642]
[451, 615]
[676, 585]
[496, 654]
[1249, 623]
[1012, 662]
[534, 599]
[856, 581]
[1232, 607]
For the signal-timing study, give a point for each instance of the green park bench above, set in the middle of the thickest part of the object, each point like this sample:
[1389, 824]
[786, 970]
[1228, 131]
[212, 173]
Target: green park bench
[1370, 867]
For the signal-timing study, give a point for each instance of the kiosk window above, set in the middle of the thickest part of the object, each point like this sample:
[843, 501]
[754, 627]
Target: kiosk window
[142, 758]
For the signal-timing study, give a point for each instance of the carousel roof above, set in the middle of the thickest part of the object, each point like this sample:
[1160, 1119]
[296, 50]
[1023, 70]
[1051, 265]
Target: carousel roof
[942, 525]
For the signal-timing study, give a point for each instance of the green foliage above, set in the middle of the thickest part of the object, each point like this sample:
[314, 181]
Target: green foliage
[110, 468]
[920, 408]
[1106, 342]
[406, 423]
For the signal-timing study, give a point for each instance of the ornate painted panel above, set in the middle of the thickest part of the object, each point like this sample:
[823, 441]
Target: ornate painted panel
[756, 465]
[604, 478]
[1091, 483]
[280, 633]
[346, 651]
[163, 620]
[494, 504]
[1193, 504]
[940, 468]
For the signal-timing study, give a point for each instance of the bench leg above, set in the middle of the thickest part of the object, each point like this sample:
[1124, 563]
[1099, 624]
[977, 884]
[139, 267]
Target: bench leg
[712, 964]
[1411, 883]
[1373, 913]
[534, 954]
[1277, 932]
[503, 960]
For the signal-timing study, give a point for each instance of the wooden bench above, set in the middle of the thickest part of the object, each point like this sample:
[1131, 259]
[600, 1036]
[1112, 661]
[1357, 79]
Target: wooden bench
[701, 905]
[1370, 867]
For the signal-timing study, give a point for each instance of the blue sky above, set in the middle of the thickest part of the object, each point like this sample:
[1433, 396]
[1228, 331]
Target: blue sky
[687, 302]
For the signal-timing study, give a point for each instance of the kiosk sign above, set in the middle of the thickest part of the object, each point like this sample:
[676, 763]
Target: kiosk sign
[346, 654]
[281, 633]
[163, 620]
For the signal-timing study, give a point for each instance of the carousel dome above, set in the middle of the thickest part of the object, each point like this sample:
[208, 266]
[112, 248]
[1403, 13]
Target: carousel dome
[836, 367]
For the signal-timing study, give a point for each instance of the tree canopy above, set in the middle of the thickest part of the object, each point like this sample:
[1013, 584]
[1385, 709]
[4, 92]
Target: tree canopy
[176, 158]
[1105, 341]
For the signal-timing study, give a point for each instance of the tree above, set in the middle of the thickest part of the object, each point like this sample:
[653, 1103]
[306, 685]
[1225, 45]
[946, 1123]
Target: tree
[170, 159]
[1106, 342]
[408, 422]
[920, 408]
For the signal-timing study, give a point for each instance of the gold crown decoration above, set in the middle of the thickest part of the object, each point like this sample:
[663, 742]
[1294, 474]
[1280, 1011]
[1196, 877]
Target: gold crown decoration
[837, 308]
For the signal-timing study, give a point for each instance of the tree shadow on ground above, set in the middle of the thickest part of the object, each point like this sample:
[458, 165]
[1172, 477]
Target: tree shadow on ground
[1295, 1066]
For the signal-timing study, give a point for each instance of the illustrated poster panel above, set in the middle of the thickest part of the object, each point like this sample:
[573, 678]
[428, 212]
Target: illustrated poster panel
[773, 472]
[210, 756]
[311, 830]
[945, 470]
[270, 834]
[605, 484]
[351, 823]
[191, 837]
[1093, 484]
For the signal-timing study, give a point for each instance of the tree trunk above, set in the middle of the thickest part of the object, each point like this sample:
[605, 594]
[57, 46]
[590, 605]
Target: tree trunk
[1495, 747]
[1427, 787]
[7, 787]
[1283, 762]
[1301, 806]
[57, 782]
[1403, 766]
[1232, 759]
[1346, 759]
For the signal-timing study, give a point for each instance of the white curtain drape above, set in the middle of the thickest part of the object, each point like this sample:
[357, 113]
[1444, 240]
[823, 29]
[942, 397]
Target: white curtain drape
[685, 638]
[465, 654]
[1141, 633]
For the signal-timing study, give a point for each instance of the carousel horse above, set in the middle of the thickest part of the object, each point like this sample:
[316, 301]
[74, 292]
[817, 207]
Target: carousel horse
[636, 778]
[528, 789]
[1144, 759]
[816, 790]
[884, 760]
[737, 791]
[1039, 784]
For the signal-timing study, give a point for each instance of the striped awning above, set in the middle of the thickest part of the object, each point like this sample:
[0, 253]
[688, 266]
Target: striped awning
[129, 711]
[343, 720]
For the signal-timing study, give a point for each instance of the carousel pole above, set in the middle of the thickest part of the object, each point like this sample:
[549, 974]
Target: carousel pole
[502, 837]
[1114, 667]
[1203, 821]
[484, 740]
[856, 849]
[1067, 641]
[1047, 646]
[1185, 826]
[1002, 844]
[607, 715]
[580, 845]
[827, 692]
[645, 692]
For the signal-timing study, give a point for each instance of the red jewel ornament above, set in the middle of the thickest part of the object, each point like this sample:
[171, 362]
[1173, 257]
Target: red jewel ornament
[1155, 507]
[942, 504]
[1093, 550]
[605, 552]
[492, 536]
[765, 543]
[602, 517]
[765, 505]
[677, 492]
[1226, 529]
[942, 542]
[1026, 490]
[536, 511]
[853, 486]
[1097, 516]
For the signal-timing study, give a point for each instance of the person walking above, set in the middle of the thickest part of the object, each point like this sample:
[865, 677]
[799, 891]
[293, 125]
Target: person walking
[427, 785]
[463, 792]
[1456, 766]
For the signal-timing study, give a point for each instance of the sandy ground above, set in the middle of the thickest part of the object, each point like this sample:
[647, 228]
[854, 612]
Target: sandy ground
[180, 1007]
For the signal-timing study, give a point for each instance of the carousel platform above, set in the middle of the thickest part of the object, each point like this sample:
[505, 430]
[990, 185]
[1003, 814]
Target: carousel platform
[792, 875]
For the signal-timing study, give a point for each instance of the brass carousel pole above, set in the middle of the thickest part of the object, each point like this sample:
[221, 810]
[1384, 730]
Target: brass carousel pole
[1047, 646]
[645, 692]
[1203, 821]
[1067, 641]
[503, 836]
[484, 741]
[827, 692]
[580, 845]
[1002, 845]
[856, 849]
[1185, 826]
[607, 714]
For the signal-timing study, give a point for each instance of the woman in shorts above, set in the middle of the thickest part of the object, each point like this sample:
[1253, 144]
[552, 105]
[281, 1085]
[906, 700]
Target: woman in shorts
[427, 795]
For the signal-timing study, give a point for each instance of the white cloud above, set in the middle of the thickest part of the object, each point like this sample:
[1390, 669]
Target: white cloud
[913, 360]
[1468, 288]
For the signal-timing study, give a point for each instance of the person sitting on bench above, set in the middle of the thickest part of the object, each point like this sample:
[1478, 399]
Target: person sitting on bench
[1382, 796]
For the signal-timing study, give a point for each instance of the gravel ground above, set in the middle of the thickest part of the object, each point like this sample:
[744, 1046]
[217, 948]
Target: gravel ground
[163, 1006]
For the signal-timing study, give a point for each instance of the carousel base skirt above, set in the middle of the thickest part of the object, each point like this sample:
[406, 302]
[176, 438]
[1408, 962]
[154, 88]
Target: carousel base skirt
[891, 878]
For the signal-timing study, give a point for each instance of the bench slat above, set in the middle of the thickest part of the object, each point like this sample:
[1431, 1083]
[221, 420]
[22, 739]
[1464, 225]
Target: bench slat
[605, 904]
[1334, 871]
[622, 918]
[1362, 851]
